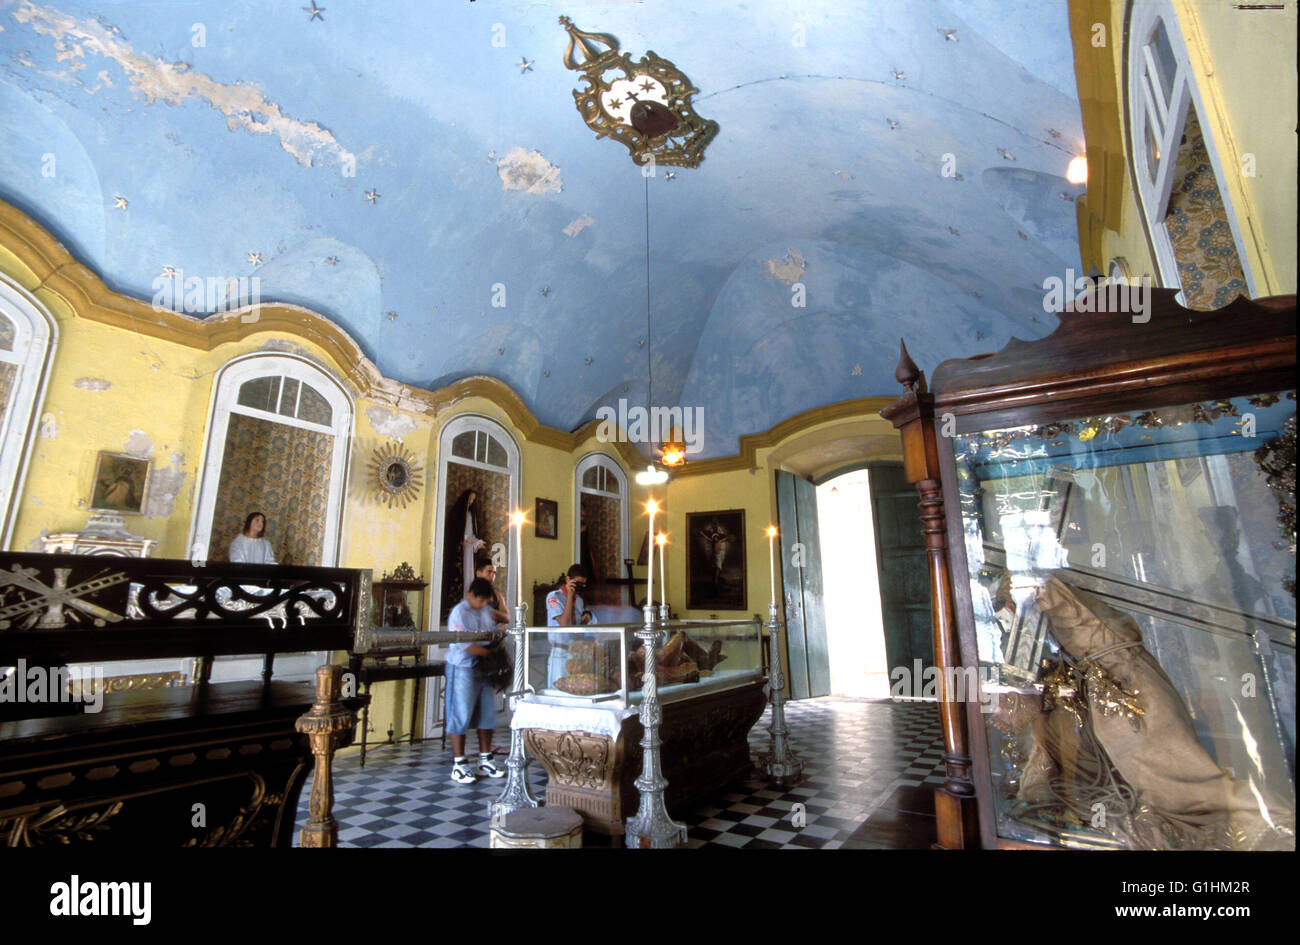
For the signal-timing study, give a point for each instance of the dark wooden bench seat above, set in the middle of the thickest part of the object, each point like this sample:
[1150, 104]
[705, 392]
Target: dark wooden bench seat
[208, 764]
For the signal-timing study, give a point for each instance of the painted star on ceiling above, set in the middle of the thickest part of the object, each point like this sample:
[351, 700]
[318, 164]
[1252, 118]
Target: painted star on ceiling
[119, 203]
[314, 12]
[525, 64]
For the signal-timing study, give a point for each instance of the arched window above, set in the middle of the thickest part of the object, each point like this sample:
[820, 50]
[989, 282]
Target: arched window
[27, 339]
[1187, 214]
[474, 453]
[278, 444]
[600, 523]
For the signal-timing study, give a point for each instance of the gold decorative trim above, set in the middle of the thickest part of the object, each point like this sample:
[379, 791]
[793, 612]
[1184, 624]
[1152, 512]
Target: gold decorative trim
[751, 443]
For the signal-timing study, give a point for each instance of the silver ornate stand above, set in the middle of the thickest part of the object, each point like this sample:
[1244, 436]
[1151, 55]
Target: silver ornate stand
[779, 763]
[663, 613]
[515, 794]
[651, 828]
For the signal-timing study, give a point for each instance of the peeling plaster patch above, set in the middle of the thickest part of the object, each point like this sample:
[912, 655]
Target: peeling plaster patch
[789, 270]
[578, 225]
[283, 344]
[390, 424]
[138, 444]
[242, 103]
[165, 485]
[529, 171]
[92, 383]
[49, 427]
[36, 545]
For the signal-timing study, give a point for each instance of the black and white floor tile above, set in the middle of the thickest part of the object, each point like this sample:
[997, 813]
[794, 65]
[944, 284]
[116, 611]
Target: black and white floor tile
[856, 754]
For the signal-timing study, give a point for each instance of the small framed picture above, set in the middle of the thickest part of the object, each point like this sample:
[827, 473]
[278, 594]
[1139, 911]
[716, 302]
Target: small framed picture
[547, 517]
[120, 483]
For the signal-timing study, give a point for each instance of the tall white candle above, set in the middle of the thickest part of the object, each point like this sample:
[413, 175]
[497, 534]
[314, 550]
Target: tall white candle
[661, 540]
[517, 519]
[771, 558]
[652, 507]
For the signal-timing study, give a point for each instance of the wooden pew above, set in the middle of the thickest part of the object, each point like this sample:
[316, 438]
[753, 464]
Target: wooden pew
[203, 764]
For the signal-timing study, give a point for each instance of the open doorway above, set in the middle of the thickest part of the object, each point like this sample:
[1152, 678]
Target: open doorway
[855, 635]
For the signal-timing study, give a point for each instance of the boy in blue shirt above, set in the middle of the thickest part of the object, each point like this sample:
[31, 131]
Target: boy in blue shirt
[471, 701]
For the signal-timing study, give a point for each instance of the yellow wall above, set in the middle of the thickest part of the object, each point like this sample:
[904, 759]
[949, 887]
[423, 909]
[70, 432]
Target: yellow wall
[1245, 65]
[1244, 69]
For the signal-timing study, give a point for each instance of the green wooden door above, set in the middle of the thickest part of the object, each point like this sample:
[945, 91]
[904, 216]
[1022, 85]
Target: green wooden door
[904, 569]
[904, 573]
[803, 605]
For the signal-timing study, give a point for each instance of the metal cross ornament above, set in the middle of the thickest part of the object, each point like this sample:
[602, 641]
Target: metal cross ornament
[645, 104]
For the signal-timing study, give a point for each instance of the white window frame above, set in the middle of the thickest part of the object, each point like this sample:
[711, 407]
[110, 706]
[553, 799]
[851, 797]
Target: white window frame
[603, 461]
[457, 425]
[1144, 102]
[225, 393]
[36, 336]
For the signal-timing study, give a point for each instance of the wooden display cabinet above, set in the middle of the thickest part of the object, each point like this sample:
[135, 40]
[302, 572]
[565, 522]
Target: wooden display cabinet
[1135, 464]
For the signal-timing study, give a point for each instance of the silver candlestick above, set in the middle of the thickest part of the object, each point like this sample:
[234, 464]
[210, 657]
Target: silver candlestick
[651, 828]
[779, 763]
[663, 613]
[515, 794]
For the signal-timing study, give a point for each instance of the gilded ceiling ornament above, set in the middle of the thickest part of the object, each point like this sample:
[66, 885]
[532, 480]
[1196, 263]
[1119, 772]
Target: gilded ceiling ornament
[645, 104]
[395, 477]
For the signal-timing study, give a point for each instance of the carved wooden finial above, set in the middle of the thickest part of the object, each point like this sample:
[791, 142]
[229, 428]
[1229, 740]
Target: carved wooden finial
[907, 373]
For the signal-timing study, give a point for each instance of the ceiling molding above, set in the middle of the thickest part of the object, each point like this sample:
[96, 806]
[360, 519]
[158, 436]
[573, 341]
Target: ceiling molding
[751, 443]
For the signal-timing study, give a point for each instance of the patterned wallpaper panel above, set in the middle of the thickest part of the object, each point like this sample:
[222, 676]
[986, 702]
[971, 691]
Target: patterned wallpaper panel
[6, 334]
[601, 518]
[279, 470]
[493, 490]
[1209, 269]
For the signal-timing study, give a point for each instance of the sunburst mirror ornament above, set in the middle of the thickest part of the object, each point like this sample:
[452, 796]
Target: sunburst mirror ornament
[645, 104]
[395, 477]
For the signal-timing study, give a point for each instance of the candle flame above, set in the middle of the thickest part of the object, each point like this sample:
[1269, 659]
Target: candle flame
[661, 539]
[517, 518]
[652, 506]
[771, 531]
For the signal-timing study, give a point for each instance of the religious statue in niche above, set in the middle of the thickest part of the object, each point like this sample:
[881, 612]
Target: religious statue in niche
[464, 538]
[648, 108]
[395, 478]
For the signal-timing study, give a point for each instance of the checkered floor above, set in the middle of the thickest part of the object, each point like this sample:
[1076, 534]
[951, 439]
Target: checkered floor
[855, 754]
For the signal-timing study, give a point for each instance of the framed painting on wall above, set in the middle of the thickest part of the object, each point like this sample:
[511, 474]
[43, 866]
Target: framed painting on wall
[120, 483]
[715, 564]
[547, 516]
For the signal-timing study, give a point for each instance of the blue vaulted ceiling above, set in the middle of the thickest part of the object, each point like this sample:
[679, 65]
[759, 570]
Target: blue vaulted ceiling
[232, 129]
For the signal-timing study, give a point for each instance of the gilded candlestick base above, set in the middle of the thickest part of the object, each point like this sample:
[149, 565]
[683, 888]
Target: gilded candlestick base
[515, 794]
[651, 828]
[779, 764]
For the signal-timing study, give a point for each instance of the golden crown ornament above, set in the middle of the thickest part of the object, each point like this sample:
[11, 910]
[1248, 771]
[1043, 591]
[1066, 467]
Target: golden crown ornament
[645, 104]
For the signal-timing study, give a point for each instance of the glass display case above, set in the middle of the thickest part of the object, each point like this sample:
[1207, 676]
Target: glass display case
[1109, 516]
[1133, 604]
[603, 665]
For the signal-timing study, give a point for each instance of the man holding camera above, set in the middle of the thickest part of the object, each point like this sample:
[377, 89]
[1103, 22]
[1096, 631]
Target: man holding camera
[565, 608]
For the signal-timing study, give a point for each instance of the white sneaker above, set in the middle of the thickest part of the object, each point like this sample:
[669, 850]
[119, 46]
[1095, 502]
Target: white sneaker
[488, 770]
[461, 774]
